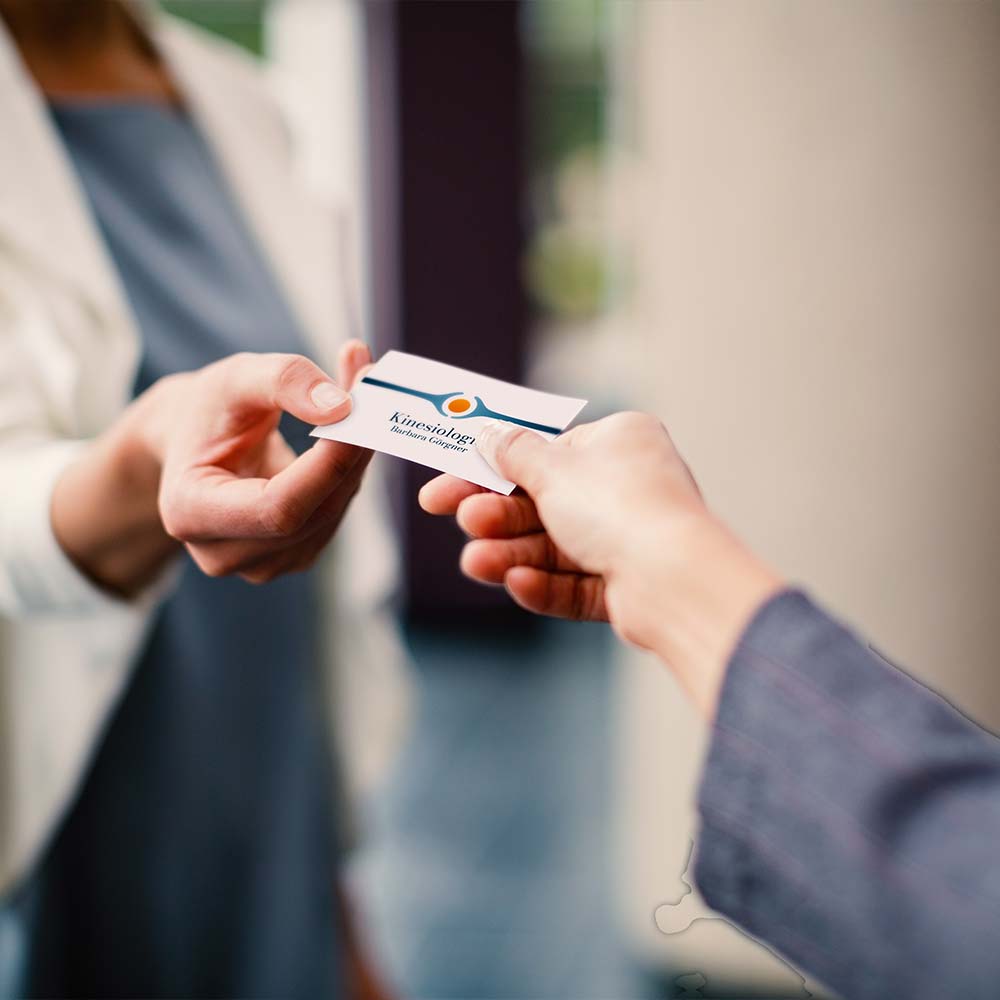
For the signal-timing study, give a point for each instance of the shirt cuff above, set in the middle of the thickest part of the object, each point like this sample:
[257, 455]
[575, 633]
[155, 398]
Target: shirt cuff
[783, 768]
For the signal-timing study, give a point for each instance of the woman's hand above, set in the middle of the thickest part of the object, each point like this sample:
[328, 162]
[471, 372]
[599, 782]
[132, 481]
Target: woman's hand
[198, 459]
[610, 526]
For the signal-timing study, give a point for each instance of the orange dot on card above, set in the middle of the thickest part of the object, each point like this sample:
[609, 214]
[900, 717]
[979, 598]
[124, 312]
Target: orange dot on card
[459, 405]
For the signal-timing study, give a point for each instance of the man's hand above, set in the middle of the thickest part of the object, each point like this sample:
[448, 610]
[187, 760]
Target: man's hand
[610, 525]
[593, 499]
[198, 459]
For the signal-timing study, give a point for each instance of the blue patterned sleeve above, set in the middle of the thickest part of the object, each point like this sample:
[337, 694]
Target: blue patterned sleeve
[850, 816]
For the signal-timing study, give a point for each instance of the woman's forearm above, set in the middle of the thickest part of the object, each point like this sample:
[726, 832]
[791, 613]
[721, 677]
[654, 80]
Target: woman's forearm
[104, 510]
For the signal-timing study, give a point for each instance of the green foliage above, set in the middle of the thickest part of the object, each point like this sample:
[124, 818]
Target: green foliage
[566, 270]
[566, 47]
[240, 21]
[566, 273]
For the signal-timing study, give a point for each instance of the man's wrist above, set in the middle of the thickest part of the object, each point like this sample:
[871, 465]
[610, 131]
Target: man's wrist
[692, 589]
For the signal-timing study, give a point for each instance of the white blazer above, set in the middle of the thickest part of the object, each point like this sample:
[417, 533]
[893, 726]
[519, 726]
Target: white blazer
[68, 354]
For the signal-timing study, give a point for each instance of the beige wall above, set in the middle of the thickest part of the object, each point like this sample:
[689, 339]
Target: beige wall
[819, 304]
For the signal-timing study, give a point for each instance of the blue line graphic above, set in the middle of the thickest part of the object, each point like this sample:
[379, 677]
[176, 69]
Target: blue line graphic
[479, 410]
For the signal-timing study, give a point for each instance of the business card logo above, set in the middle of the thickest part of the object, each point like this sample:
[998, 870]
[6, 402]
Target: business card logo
[459, 405]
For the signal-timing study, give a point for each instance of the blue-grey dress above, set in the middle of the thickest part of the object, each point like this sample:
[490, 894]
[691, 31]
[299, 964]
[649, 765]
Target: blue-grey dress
[199, 856]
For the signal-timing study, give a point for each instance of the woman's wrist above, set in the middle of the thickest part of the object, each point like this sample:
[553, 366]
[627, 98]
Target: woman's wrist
[104, 508]
[690, 590]
[132, 459]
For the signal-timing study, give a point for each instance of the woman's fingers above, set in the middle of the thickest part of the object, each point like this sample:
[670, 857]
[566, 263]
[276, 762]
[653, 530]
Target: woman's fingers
[491, 515]
[443, 494]
[488, 559]
[232, 490]
[278, 455]
[259, 383]
[353, 360]
[333, 508]
[560, 595]
[210, 503]
[294, 559]
[294, 495]
[261, 559]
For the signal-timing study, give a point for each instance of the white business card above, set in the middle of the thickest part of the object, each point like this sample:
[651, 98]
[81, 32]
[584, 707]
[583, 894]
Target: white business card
[429, 412]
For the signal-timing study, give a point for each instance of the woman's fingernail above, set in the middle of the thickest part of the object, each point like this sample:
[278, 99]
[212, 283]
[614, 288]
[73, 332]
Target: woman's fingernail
[326, 395]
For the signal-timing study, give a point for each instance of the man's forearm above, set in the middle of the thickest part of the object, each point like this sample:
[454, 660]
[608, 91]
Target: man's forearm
[700, 587]
[850, 816]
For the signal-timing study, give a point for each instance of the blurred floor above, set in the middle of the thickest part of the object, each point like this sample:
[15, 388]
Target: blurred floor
[489, 870]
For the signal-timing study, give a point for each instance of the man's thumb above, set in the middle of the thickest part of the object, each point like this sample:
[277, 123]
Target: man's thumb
[514, 452]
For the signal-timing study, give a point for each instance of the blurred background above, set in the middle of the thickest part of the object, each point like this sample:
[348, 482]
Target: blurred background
[776, 225]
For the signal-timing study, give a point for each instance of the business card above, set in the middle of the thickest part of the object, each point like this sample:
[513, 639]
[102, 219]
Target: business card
[429, 412]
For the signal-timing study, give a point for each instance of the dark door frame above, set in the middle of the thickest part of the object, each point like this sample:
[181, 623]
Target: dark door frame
[447, 149]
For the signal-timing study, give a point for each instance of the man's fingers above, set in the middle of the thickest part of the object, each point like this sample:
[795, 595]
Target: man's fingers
[561, 595]
[488, 559]
[513, 452]
[490, 515]
[352, 361]
[516, 453]
[289, 382]
[443, 494]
